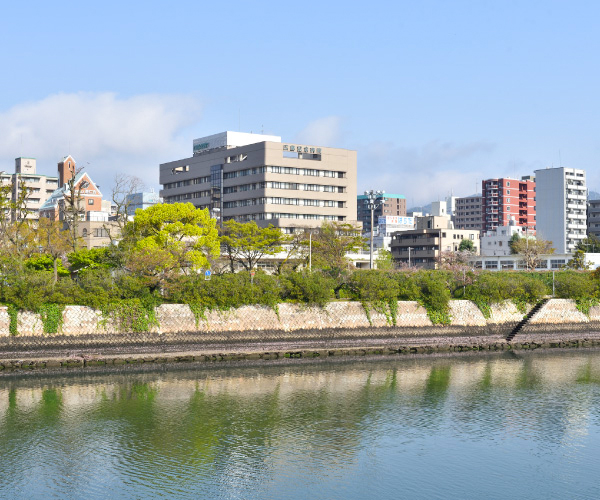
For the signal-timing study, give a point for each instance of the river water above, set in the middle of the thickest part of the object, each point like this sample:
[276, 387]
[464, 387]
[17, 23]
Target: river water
[469, 427]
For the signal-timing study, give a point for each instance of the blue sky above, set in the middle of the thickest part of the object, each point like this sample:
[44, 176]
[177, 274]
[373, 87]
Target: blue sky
[434, 95]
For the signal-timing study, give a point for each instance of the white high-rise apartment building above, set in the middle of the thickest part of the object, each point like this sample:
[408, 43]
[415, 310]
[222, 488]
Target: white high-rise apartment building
[561, 197]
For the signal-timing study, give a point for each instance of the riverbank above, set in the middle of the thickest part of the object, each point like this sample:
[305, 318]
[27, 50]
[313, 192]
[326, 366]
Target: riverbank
[291, 331]
[137, 355]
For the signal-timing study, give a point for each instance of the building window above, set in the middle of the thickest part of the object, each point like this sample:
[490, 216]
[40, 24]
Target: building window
[90, 201]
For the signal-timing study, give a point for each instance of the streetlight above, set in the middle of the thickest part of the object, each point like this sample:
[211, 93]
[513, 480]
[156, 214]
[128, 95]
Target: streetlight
[310, 252]
[374, 200]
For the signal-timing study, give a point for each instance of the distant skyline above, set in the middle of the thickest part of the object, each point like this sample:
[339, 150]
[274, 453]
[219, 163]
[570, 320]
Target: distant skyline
[435, 96]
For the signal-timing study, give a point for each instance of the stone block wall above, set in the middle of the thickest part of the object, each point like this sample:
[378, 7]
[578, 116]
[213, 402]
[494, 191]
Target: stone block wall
[350, 318]
[4, 321]
[561, 315]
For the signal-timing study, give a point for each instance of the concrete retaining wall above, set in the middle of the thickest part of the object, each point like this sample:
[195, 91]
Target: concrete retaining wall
[561, 315]
[250, 322]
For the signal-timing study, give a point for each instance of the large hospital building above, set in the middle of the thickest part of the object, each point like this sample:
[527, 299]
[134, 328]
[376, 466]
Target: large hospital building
[257, 177]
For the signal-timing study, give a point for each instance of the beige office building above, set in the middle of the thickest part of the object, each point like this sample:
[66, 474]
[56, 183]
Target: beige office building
[422, 246]
[40, 187]
[256, 177]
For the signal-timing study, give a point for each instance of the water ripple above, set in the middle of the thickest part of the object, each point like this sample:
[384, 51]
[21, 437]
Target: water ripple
[489, 427]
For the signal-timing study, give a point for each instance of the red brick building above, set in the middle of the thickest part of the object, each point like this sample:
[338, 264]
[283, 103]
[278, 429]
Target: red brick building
[90, 197]
[504, 199]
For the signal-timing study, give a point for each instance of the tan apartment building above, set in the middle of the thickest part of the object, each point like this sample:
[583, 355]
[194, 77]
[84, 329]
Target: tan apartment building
[95, 231]
[257, 177]
[468, 213]
[40, 187]
[433, 235]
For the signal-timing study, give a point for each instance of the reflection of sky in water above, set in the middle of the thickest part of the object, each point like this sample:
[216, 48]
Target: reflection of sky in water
[506, 426]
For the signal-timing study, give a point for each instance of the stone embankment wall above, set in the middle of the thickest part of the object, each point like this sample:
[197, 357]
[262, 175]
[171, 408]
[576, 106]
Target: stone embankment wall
[256, 323]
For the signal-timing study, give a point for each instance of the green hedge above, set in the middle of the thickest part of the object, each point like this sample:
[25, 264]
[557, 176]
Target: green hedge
[128, 296]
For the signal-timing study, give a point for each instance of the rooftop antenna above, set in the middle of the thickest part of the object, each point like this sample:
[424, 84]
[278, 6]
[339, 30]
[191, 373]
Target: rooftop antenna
[262, 130]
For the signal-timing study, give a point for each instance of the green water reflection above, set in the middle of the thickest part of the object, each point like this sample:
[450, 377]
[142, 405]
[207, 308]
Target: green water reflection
[307, 430]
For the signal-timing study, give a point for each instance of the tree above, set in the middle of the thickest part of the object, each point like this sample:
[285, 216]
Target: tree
[73, 208]
[247, 243]
[511, 243]
[591, 244]
[466, 246]
[45, 262]
[53, 241]
[94, 258]
[16, 230]
[578, 260]
[384, 260]
[123, 187]
[531, 249]
[295, 251]
[168, 238]
[330, 245]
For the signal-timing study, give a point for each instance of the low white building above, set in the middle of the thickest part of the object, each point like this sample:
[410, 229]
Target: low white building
[551, 262]
[497, 242]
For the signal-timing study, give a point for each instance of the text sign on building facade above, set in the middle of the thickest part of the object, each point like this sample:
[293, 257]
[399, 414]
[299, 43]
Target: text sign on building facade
[396, 219]
[301, 149]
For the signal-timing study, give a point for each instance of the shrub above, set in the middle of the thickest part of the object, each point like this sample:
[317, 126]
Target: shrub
[575, 285]
[435, 295]
[130, 316]
[310, 288]
[373, 286]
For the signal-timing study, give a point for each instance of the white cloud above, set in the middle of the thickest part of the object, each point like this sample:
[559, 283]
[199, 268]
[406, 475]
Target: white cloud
[127, 135]
[423, 173]
[324, 131]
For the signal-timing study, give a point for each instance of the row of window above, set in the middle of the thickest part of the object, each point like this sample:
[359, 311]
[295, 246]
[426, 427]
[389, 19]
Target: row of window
[259, 170]
[283, 201]
[283, 185]
[520, 264]
[188, 182]
[187, 196]
[98, 233]
[275, 215]
[305, 171]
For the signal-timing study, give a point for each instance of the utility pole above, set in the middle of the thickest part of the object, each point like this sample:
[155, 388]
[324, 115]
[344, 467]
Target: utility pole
[310, 252]
[409, 249]
[374, 200]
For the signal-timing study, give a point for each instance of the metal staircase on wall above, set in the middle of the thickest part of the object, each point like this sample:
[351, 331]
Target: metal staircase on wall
[525, 320]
